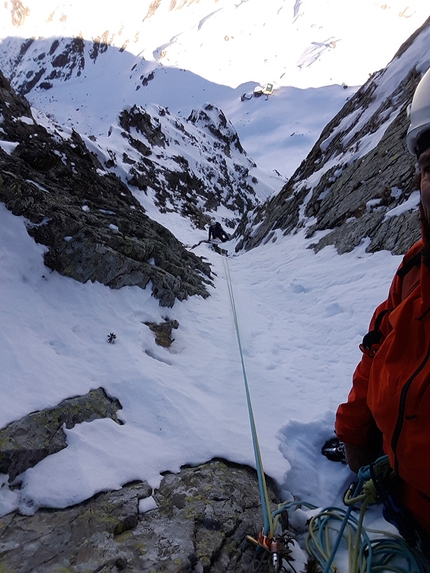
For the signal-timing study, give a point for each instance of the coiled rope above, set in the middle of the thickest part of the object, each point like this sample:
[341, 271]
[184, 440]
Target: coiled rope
[385, 552]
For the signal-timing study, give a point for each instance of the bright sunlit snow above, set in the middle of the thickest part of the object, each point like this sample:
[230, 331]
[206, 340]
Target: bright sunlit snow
[316, 53]
[301, 315]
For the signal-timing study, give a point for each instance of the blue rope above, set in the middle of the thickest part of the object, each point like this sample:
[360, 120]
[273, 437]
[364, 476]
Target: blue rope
[267, 515]
[347, 518]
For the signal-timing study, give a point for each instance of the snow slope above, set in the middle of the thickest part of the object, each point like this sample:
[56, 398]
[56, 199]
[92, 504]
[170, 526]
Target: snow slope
[301, 315]
[301, 318]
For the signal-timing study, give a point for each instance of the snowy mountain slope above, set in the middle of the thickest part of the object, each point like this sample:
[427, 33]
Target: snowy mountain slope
[359, 179]
[197, 164]
[92, 225]
[194, 167]
[301, 316]
[231, 43]
[134, 53]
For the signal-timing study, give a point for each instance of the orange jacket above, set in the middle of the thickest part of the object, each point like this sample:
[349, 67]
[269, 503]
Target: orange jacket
[391, 384]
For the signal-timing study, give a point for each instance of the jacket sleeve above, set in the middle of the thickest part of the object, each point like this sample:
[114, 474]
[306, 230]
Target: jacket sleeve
[354, 421]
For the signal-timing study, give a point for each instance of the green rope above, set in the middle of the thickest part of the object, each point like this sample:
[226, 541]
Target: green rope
[268, 523]
[385, 553]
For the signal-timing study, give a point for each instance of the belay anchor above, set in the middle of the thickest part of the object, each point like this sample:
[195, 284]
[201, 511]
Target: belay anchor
[275, 549]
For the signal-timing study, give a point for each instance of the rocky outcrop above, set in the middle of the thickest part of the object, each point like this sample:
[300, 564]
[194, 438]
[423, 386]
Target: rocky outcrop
[197, 520]
[193, 166]
[91, 223]
[27, 441]
[355, 205]
[221, 178]
[163, 331]
[351, 199]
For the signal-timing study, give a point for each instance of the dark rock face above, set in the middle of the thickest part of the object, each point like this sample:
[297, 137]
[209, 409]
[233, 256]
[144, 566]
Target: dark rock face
[200, 522]
[340, 200]
[92, 225]
[179, 183]
[192, 166]
[354, 204]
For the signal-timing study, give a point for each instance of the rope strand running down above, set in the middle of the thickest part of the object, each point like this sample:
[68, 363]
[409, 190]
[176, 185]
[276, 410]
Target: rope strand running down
[268, 523]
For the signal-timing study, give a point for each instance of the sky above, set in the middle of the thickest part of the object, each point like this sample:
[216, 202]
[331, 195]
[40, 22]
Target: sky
[301, 317]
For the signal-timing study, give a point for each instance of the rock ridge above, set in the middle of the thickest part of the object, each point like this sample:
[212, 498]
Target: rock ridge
[90, 221]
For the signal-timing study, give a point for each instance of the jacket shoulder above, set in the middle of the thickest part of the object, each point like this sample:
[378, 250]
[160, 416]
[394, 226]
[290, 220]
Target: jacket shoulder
[415, 249]
[411, 259]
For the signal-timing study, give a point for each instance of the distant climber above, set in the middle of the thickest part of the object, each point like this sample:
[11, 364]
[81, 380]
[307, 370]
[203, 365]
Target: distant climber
[217, 232]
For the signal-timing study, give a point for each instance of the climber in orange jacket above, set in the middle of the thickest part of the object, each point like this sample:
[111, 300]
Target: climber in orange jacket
[388, 407]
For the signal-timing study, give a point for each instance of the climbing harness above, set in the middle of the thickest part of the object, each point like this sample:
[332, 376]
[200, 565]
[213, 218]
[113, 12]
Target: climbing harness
[329, 527]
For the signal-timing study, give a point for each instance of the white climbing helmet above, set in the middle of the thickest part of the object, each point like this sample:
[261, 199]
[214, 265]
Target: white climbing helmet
[419, 115]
